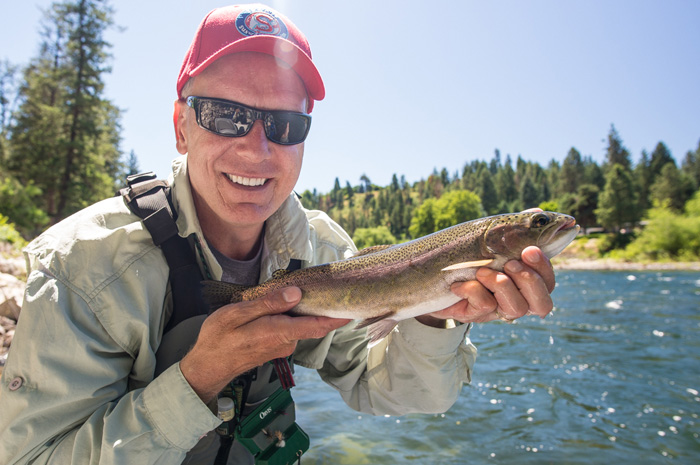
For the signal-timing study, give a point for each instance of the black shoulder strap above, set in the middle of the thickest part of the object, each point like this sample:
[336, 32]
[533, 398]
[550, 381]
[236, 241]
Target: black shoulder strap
[150, 199]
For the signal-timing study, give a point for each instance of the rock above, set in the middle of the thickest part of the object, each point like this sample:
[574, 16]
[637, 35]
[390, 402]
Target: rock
[7, 331]
[11, 295]
[16, 266]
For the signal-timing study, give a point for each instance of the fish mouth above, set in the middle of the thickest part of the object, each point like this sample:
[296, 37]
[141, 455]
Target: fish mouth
[568, 224]
[560, 237]
[245, 181]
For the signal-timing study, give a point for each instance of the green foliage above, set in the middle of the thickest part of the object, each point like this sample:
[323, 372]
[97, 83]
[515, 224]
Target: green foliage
[617, 203]
[570, 176]
[671, 187]
[423, 221]
[668, 235]
[549, 206]
[616, 153]
[8, 233]
[692, 206]
[65, 137]
[368, 237]
[452, 208]
[610, 196]
[19, 204]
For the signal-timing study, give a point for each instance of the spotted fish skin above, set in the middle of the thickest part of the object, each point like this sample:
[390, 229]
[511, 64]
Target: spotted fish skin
[385, 284]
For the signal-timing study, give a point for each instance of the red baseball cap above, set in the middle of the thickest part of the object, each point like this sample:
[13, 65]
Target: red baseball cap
[251, 28]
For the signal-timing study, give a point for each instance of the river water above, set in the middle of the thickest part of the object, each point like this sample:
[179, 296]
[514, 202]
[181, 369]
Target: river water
[612, 376]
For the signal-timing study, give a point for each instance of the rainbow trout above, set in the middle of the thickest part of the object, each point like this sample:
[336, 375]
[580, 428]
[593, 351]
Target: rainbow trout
[387, 283]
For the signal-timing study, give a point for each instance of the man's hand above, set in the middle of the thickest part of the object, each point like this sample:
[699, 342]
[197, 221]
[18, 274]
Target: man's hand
[242, 336]
[523, 288]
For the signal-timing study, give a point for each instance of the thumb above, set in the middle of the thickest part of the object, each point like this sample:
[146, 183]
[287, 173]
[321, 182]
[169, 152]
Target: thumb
[278, 301]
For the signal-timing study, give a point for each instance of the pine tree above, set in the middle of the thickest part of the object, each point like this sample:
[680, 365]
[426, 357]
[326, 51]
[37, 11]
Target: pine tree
[570, 175]
[691, 165]
[505, 185]
[528, 194]
[586, 202]
[132, 164]
[616, 153]
[643, 178]
[659, 158]
[617, 202]
[66, 136]
[671, 188]
[486, 190]
[592, 173]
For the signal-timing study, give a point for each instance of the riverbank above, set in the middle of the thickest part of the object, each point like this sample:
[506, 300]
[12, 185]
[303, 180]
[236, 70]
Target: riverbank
[603, 264]
[585, 253]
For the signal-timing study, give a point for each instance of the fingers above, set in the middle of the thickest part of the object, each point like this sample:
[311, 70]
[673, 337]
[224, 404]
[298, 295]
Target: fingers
[511, 303]
[287, 328]
[297, 328]
[265, 316]
[478, 304]
[535, 259]
[241, 336]
[531, 287]
[524, 287]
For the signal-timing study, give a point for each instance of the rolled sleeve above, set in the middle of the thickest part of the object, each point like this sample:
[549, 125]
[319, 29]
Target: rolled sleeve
[415, 369]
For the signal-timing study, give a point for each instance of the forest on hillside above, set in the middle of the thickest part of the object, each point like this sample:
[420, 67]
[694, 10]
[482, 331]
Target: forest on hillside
[60, 151]
[616, 195]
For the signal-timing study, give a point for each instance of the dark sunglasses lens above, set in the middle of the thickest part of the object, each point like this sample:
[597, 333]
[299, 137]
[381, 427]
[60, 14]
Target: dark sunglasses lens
[233, 120]
[224, 118]
[287, 128]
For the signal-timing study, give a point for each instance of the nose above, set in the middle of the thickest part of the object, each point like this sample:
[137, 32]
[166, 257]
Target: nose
[255, 146]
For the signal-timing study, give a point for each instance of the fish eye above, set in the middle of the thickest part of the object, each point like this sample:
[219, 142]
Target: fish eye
[539, 220]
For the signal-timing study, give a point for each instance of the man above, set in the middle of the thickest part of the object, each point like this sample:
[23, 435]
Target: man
[85, 381]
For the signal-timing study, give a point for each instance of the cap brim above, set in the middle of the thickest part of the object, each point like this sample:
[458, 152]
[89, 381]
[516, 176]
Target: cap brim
[279, 48]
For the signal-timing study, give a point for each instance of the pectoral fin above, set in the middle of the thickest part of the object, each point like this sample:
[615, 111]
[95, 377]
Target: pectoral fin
[472, 264]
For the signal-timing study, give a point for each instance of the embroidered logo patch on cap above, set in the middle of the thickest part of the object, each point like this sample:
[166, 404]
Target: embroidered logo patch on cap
[260, 22]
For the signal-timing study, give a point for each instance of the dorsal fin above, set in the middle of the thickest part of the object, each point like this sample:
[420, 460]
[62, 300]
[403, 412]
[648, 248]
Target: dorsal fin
[280, 273]
[371, 250]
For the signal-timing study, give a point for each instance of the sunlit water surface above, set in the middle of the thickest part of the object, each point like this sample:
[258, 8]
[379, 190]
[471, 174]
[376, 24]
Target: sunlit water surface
[612, 376]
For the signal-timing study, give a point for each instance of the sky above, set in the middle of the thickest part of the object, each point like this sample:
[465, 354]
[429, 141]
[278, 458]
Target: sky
[416, 86]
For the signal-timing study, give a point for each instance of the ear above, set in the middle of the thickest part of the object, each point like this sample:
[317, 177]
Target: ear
[179, 122]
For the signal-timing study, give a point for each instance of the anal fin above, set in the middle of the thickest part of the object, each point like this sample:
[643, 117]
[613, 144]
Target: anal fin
[378, 327]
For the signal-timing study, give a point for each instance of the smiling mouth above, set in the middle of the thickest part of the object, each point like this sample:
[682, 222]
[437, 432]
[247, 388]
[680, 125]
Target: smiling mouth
[248, 182]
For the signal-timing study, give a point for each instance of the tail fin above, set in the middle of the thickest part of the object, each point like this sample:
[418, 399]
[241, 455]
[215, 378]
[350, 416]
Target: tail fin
[218, 293]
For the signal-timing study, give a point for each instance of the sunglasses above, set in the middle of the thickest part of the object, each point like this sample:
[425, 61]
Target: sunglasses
[231, 119]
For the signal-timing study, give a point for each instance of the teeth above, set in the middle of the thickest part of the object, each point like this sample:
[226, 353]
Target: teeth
[252, 182]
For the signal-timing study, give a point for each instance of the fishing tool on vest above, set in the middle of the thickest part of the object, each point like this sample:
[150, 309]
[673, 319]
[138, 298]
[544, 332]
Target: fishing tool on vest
[269, 432]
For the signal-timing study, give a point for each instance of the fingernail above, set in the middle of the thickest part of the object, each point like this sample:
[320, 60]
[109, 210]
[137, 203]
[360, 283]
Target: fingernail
[534, 257]
[291, 294]
[514, 266]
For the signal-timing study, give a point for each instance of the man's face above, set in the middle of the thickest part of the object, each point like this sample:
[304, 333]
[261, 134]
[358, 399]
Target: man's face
[239, 182]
